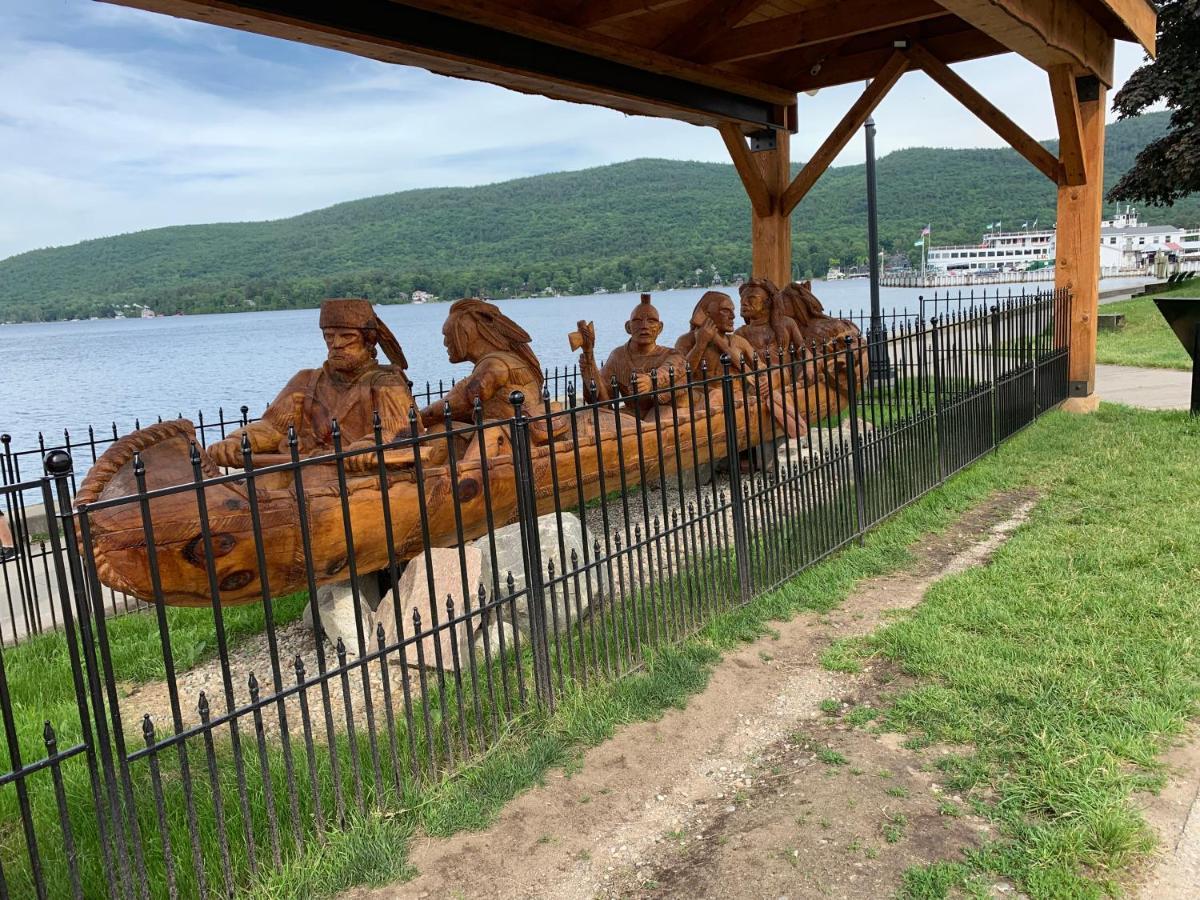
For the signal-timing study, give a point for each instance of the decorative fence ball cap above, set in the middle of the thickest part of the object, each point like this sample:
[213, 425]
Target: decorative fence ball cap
[57, 462]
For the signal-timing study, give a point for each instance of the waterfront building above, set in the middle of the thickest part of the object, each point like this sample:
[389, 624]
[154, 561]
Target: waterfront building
[1125, 243]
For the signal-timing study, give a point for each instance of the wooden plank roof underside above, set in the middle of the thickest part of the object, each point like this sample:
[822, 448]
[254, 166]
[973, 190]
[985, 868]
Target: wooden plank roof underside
[702, 61]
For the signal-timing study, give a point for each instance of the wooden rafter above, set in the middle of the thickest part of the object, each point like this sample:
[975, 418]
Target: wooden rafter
[1046, 32]
[595, 12]
[1137, 17]
[747, 169]
[715, 19]
[834, 62]
[831, 21]
[883, 82]
[1070, 125]
[1041, 158]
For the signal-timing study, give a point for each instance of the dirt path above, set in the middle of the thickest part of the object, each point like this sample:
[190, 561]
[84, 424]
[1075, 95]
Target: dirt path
[752, 790]
[1174, 814]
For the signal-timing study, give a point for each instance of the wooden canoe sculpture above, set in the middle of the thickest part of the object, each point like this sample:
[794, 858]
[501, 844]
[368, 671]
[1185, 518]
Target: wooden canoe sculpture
[210, 540]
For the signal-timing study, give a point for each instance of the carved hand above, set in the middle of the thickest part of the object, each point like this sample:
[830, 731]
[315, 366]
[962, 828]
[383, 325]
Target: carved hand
[587, 331]
[226, 453]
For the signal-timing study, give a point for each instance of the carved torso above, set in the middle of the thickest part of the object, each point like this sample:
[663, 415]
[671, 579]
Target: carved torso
[624, 362]
[734, 344]
[314, 398]
[496, 375]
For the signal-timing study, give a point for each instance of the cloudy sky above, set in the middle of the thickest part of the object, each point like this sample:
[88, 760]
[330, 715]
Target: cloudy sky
[114, 120]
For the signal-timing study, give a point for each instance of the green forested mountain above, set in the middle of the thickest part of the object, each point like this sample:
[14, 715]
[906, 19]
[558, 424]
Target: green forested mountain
[642, 223]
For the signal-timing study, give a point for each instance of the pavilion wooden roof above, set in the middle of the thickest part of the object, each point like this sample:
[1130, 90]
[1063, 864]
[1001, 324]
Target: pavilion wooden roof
[702, 61]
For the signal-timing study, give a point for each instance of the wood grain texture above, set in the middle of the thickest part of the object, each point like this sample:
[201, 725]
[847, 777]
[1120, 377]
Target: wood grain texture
[748, 170]
[823, 23]
[1077, 267]
[1046, 32]
[1070, 126]
[771, 233]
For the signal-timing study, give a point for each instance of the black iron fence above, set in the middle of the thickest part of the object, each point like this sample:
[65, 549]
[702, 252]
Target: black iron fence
[28, 589]
[364, 622]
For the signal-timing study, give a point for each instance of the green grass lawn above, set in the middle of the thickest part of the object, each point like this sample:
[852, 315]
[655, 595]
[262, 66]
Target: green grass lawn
[1146, 339]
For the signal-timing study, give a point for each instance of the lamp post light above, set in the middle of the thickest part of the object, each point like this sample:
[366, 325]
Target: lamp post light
[877, 351]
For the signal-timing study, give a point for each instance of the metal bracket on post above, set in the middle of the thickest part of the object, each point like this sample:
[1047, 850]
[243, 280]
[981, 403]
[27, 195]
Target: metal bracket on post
[1087, 88]
[741, 538]
[764, 139]
[532, 551]
[1079, 389]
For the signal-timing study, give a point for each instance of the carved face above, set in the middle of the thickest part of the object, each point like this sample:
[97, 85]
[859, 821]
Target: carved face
[455, 339]
[644, 326]
[348, 348]
[722, 314]
[754, 304]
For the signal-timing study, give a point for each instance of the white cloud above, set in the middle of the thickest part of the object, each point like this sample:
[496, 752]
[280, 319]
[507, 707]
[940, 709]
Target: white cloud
[100, 138]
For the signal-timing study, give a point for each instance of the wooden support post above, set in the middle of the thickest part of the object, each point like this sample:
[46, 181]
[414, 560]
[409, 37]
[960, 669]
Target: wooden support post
[771, 234]
[1077, 267]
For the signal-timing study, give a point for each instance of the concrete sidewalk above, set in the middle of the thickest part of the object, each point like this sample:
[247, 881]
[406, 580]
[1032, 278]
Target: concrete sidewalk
[1145, 388]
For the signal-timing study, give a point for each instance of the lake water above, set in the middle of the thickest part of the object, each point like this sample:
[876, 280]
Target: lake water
[66, 375]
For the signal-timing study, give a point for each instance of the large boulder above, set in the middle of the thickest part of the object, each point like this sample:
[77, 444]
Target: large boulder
[335, 609]
[571, 577]
[412, 592]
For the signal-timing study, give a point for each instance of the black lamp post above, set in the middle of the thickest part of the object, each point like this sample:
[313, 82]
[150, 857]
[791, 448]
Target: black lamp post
[877, 351]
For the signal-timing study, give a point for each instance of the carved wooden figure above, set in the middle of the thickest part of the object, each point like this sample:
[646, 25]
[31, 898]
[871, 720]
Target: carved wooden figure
[712, 335]
[348, 388]
[478, 332]
[297, 526]
[829, 334]
[770, 331]
[631, 364]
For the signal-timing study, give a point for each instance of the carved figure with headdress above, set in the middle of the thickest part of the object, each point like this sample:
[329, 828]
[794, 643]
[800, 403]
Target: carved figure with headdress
[799, 302]
[712, 335]
[634, 366]
[476, 331]
[349, 388]
[769, 330]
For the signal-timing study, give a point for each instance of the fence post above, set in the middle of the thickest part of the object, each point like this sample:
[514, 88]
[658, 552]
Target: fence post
[531, 543]
[107, 798]
[995, 323]
[741, 539]
[856, 450]
[938, 440]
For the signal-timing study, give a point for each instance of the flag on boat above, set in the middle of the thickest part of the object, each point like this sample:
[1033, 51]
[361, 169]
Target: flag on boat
[925, 231]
